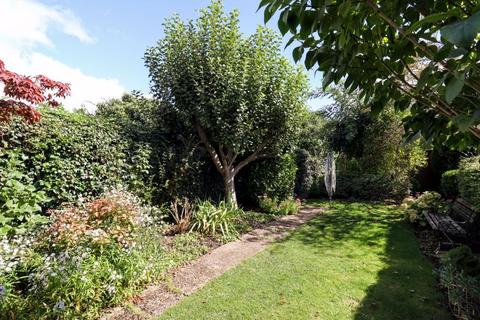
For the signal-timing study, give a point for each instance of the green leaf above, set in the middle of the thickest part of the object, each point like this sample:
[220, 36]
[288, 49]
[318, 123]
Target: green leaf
[310, 59]
[426, 73]
[430, 19]
[453, 89]
[282, 22]
[463, 122]
[297, 53]
[263, 3]
[462, 33]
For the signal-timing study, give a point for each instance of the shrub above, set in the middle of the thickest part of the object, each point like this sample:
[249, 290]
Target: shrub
[110, 220]
[463, 259]
[72, 155]
[20, 200]
[211, 219]
[305, 175]
[181, 212]
[274, 177]
[428, 202]
[366, 187]
[469, 181]
[450, 183]
[460, 276]
[279, 207]
[72, 274]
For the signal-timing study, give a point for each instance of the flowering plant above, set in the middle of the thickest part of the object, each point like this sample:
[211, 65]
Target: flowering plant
[110, 220]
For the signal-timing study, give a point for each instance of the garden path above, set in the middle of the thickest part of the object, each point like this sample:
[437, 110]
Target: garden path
[188, 279]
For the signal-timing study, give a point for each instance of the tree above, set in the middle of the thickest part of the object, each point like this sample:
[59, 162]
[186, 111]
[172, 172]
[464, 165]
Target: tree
[240, 95]
[22, 93]
[420, 55]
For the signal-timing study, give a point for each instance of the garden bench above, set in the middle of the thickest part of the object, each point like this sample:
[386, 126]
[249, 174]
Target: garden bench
[448, 226]
[445, 224]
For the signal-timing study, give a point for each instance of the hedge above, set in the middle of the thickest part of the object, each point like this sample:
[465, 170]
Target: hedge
[305, 175]
[469, 181]
[73, 155]
[273, 177]
[449, 183]
[365, 187]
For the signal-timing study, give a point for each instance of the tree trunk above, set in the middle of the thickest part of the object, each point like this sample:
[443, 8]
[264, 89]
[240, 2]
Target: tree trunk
[224, 163]
[229, 182]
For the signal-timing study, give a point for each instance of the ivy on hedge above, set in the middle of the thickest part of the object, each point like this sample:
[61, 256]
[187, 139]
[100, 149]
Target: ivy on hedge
[74, 155]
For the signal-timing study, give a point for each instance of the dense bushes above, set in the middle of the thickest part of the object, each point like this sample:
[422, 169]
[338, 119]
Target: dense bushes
[277, 206]
[464, 182]
[365, 186]
[74, 155]
[450, 183]
[460, 276]
[305, 173]
[372, 160]
[273, 177]
[428, 202]
[469, 181]
[90, 256]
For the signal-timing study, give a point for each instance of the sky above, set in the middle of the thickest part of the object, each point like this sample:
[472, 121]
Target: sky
[98, 46]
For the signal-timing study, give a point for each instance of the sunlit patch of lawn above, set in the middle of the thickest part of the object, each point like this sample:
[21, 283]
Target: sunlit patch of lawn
[357, 261]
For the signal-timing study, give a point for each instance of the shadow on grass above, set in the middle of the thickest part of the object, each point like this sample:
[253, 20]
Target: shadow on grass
[405, 287]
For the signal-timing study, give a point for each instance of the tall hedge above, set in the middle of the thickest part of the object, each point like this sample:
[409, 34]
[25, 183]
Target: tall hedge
[72, 155]
[305, 173]
[274, 177]
[469, 181]
[449, 183]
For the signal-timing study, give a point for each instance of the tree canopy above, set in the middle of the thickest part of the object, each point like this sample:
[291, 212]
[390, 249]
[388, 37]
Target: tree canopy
[240, 95]
[22, 93]
[420, 55]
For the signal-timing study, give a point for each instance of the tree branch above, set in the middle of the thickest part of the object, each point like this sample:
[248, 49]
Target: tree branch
[223, 157]
[211, 150]
[250, 158]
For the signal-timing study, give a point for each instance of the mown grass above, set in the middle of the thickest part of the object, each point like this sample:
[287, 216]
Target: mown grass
[357, 261]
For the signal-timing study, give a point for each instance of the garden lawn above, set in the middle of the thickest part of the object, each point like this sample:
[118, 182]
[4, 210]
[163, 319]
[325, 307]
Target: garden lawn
[357, 261]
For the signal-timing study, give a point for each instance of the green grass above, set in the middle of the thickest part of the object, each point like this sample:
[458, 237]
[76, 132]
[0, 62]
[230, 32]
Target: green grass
[358, 261]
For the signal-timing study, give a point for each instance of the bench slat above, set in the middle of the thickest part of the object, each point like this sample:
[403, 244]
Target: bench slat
[444, 223]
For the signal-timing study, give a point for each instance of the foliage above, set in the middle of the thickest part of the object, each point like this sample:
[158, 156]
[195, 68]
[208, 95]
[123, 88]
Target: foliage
[373, 160]
[106, 221]
[145, 128]
[76, 266]
[22, 93]
[422, 57]
[450, 183]
[367, 187]
[20, 201]
[469, 181]
[181, 212]
[460, 275]
[73, 155]
[274, 177]
[279, 207]
[311, 136]
[305, 173]
[428, 202]
[243, 98]
[464, 260]
[209, 218]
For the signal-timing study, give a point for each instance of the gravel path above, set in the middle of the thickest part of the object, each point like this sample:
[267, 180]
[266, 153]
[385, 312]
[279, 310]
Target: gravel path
[189, 278]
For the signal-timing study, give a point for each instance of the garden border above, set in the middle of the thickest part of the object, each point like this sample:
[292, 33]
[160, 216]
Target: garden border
[186, 280]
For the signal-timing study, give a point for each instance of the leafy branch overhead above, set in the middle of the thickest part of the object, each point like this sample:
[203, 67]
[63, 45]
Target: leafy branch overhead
[422, 56]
